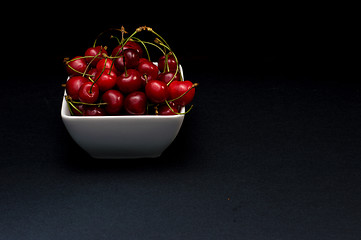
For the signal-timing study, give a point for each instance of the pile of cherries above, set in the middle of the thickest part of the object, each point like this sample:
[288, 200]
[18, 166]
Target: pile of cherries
[125, 82]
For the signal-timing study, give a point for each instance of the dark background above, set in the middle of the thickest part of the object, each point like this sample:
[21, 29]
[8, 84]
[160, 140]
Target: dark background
[271, 149]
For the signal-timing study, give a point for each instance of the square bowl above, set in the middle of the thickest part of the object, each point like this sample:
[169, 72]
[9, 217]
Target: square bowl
[122, 137]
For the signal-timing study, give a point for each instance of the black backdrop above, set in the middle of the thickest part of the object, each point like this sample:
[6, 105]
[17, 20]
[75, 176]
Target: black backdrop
[270, 150]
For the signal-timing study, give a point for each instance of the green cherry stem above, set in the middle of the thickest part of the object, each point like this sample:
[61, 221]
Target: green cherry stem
[70, 104]
[87, 67]
[151, 30]
[190, 108]
[150, 43]
[143, 43]
[105, 64]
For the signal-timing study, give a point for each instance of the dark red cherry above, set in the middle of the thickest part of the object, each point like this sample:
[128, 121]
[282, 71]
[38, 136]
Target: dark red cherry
[167, 76]
[78, 64]
[105, 81]
[129, 82]
[94, 111]
[73, 85]
[131, 58]
[156, 91]
[148, 68]
[135, 103]
[89, 94]
[80, 107]
[129, 45]
[114, 100]
[165, 110]
[178, 88]
[92, 52]
[171, 63]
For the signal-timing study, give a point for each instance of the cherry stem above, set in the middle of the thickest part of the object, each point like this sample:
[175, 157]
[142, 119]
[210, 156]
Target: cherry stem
[116, 38]
[100, 34]
[190, 108]
[87, 67]
[125, 67]
[70, 104]
[150, 43]
[151, 30]
[145, 47]
[166, 65]
[105, 64]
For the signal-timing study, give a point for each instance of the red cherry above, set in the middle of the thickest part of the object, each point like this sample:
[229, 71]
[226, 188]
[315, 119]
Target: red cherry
[129, 82]
[131, 58]
[177, 88]
[92, 52]
[111, 73]
[171, 63]
[166, 77]
[73, 85]
[87, 93]
[147, 67]
[94, 111]
[129, 45]
[165, 110]
[135, 103]
[105, 81]
[156, 91]
[108, 64]
[114, 100]
[78, 64]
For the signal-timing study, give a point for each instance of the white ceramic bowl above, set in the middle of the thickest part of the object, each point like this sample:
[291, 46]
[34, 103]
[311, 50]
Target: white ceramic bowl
[122, 137]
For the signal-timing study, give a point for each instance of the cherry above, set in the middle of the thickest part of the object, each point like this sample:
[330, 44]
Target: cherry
[92, 52]
[126, 83]
[147, 67]
[108, 64]
[135, 103]
[73, 85]
[93, 111]
[129, 81]
[105, 81]
[76, 66]
[89, 92]
[112, 73]
[129, 45]
[172, 64]
[168, 76]
[156, 91]
[165, 110]
[131, 58]
[178, 88]
[114, 100]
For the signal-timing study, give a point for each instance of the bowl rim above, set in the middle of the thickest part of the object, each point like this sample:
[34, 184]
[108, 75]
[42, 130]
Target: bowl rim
[65, 113]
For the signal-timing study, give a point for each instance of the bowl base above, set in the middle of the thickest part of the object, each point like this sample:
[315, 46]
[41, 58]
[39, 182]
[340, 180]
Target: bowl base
[125, 157]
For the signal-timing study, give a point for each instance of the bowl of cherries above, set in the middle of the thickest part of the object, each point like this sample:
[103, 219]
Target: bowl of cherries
[119, 104]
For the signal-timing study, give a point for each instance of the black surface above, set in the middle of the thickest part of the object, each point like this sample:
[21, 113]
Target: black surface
[270, 151]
